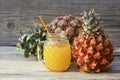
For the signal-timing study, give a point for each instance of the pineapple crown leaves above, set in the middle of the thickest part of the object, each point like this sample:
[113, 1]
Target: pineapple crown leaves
[90, 23]
[32, 41]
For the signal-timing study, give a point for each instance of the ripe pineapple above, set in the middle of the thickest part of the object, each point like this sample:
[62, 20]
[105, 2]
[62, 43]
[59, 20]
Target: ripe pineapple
[92, 50]
[69, 24]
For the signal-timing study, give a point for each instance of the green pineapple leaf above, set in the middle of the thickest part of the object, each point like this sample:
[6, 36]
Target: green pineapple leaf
[32, 41]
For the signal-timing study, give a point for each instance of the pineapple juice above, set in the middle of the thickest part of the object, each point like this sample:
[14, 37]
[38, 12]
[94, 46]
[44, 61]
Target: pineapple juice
[57, 54]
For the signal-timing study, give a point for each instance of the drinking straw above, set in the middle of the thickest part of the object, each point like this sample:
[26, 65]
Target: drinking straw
[45, 26]
[43, 23]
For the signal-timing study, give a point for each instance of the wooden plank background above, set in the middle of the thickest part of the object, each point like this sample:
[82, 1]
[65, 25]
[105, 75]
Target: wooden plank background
[18, 14]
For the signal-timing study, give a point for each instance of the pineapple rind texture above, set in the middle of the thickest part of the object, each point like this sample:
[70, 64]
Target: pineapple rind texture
[70, 24]
[92, 54]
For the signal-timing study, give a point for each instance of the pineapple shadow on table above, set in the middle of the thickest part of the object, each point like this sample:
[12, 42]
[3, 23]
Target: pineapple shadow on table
[113, 68]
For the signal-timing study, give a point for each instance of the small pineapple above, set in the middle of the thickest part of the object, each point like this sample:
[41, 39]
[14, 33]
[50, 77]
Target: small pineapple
[69, 24]
[92, 50]
[31, 42]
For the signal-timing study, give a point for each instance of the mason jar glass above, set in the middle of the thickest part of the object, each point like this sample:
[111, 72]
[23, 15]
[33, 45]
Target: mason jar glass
[57, 52]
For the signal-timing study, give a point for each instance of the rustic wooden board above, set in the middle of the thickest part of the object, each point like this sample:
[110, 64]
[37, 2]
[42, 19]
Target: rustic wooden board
[34, 70]
[13, 66]
[18, 14]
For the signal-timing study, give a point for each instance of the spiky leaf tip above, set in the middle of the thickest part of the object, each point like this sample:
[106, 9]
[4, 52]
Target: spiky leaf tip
[90, 22]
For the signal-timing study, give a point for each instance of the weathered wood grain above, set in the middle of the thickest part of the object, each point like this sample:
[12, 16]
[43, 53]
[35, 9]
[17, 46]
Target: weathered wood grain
[13, 66]
[34, 70]
[18, 14]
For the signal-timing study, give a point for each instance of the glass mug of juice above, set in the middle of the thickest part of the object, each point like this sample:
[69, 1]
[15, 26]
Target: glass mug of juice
[57, 52]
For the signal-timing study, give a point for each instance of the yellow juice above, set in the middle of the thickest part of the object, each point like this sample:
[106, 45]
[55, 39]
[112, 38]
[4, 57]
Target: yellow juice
[57, 57]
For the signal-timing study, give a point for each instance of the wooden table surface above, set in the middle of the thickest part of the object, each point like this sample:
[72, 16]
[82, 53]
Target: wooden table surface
[13, 66]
